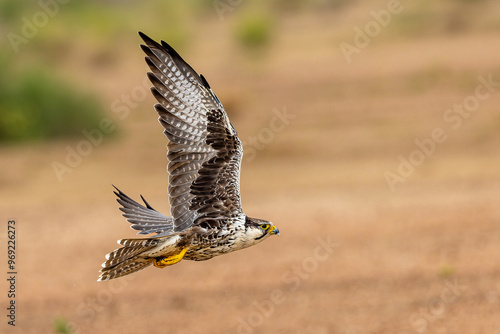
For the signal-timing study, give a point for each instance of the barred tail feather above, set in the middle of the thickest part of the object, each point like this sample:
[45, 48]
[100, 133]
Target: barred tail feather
[126, 260]
[127, 267]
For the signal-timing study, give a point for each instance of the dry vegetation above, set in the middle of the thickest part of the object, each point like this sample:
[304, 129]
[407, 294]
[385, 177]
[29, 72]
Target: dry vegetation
[420, 259]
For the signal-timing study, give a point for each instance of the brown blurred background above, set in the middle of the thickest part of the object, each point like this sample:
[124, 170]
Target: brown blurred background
[371, 132]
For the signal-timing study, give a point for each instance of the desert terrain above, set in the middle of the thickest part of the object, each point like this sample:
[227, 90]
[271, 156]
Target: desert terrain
[380, 166]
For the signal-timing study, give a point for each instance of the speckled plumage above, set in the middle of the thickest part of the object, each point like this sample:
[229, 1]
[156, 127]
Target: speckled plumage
[204, 160]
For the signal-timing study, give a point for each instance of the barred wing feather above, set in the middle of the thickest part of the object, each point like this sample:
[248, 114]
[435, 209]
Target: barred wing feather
[204, 151]
[144, 219]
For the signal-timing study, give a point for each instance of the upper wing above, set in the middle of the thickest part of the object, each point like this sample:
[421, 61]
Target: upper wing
[204, 151]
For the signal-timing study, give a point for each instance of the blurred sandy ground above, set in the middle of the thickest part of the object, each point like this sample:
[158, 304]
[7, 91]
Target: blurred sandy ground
[421, 257]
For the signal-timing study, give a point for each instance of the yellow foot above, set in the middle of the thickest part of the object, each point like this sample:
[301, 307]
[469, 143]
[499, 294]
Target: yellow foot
[162, 261]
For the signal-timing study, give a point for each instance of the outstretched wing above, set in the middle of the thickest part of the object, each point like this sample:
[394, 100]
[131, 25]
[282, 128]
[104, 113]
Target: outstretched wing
[204, 151]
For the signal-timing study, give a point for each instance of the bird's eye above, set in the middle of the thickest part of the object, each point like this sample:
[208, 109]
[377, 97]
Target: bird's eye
[264, 226]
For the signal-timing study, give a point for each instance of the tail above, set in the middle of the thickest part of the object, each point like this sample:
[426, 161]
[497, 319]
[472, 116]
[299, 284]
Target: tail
[127, 260]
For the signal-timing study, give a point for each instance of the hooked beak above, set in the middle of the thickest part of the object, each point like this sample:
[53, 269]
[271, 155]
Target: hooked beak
[275, 231]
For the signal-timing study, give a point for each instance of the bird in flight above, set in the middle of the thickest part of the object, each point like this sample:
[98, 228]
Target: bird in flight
[204, 160]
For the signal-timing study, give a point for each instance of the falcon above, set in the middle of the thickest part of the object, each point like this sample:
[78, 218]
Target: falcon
[204, 160]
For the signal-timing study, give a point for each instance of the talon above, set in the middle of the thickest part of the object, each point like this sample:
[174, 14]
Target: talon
[162, 261]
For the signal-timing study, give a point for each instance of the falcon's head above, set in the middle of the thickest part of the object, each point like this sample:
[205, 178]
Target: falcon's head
[259, 229]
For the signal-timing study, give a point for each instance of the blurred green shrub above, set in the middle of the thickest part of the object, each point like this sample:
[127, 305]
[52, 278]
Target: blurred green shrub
[296, 6]
[36, 106]
[11, 10]
[446, 271]
[61, 326]
[254, 31]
